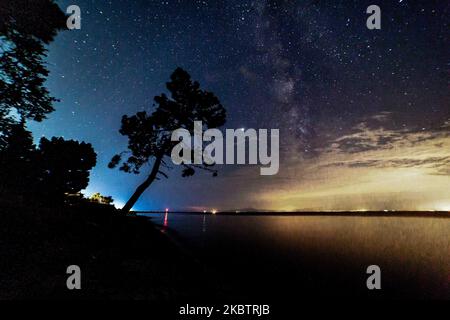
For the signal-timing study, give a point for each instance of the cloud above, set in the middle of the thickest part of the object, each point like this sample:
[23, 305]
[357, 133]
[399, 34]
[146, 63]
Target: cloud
[375, 166]
[373, 145]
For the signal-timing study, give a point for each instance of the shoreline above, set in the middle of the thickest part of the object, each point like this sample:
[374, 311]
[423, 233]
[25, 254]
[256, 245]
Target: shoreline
[408, 214]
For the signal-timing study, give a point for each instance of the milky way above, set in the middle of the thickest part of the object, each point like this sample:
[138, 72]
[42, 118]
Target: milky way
[309, 68]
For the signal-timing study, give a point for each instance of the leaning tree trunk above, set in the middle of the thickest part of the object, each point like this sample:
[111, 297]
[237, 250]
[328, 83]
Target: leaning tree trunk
[143, 186]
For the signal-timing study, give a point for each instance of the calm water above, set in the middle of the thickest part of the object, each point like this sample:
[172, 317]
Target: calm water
[315, 251]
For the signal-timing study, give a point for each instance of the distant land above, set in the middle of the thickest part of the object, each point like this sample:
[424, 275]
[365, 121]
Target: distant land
[387, 213]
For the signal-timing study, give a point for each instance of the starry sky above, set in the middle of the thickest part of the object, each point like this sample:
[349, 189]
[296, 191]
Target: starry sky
[364, 115]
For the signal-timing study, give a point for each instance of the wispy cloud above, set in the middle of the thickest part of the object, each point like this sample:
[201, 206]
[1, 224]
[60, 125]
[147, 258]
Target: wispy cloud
[370, 144]
[375, 166]
[380, 164]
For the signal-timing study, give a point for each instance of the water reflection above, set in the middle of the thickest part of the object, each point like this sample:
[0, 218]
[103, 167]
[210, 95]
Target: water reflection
[166, 221]
[204, 224]
[414, 248]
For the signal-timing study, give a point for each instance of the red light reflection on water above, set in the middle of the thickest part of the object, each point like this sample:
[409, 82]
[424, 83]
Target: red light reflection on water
[166, 221]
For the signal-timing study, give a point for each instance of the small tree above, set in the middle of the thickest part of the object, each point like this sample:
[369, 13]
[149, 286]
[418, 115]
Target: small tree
[149, 136]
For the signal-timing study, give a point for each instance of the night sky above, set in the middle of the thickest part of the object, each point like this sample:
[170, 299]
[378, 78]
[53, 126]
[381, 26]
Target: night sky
[364, 115]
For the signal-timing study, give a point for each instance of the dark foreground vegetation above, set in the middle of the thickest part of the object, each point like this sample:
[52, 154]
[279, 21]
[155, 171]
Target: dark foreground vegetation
[120, 257]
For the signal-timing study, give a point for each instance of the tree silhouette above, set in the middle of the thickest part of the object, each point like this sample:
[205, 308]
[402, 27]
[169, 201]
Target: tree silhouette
[58, 167]
[149, 136]
[25, 28]
[18, 172]
[64, 166]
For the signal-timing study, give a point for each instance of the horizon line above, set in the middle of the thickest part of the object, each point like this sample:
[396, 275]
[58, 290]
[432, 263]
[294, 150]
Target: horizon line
[413, 213]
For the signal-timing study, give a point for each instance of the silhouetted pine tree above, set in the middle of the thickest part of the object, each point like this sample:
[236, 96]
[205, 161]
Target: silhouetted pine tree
[149, 136]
